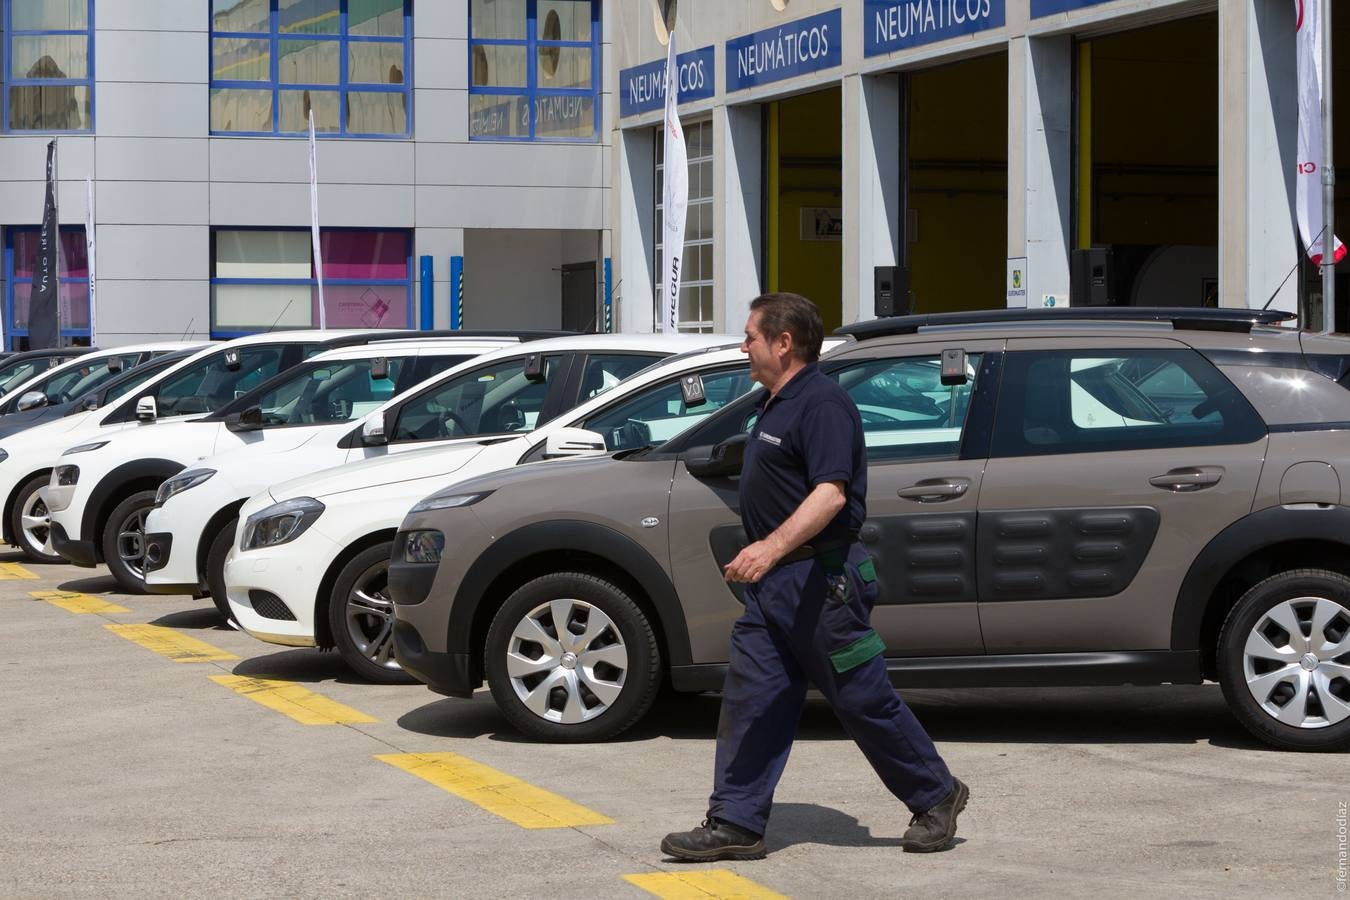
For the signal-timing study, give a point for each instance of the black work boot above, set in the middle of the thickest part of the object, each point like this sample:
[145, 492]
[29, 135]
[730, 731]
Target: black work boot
[934, 829]
[714, 840]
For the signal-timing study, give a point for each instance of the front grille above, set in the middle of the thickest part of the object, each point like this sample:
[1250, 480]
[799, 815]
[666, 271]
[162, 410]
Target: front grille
[269, 606]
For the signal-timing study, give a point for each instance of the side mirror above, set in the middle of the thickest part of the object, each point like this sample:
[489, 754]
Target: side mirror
[573, 442]
[723, 461]
[31, 400]
[250, 419]
[375, 432]
[146, 409]
[954, 367]
[691, 389]
[232, 362]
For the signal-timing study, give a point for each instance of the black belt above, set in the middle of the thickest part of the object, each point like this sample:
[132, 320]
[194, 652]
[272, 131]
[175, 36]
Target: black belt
[836, 549]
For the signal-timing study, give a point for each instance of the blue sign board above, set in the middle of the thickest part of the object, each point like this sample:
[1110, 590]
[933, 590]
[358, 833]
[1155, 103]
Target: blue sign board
[643, 88]
[806, 45]
[890, 25]
[1050, 7]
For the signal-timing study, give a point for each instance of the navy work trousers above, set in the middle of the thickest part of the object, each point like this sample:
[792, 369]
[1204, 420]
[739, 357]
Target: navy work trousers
[782, 644]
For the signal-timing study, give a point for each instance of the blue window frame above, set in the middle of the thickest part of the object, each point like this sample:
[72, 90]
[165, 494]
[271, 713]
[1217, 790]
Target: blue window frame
[263, 278]
[48, 66]
[534, 70]
[350, 61]
[21, 243]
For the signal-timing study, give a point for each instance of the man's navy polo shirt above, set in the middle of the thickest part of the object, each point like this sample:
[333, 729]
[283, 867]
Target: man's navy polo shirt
[808, 434]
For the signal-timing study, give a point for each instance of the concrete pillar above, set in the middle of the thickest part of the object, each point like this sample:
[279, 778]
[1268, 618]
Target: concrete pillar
[871, 181]
[738, 215]
[635, 222]
[1258, 142]
[1040, 164]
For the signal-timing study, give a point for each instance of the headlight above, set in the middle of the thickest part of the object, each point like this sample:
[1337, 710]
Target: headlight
[85, 448]
[423, 547]
[65, 476]
[181, 482]
[448, 501]
[280, 522]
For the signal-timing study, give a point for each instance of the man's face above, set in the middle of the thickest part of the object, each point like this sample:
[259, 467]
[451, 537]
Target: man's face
[765, 364]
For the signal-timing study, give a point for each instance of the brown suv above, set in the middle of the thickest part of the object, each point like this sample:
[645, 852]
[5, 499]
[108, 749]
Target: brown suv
[1107, 496]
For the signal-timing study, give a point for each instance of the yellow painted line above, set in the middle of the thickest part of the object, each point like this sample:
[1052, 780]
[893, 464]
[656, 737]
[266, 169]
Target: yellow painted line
[701, 885]
[81, 604]
[167, 642]
[15, 572]
[498, 793]
[290, 699]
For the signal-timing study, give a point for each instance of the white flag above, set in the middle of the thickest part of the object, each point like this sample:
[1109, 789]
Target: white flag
[1309, 176]
[314, 220]
[675, 201]
[90, 254]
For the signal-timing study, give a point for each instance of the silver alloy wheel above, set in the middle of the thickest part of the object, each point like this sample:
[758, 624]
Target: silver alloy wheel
[1292, 662]
[36, 522]
[370, 617]
[567, 661]
[131, 542]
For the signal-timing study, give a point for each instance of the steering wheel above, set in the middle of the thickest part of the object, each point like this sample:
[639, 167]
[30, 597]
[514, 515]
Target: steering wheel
[452, 416]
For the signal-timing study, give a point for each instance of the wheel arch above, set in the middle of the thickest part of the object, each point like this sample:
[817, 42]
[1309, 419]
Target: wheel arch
[323, 634]
[6, 530]
[116, 486]
[213, 525]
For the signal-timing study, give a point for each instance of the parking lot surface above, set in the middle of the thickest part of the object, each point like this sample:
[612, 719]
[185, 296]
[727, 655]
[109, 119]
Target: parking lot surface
[187, 759]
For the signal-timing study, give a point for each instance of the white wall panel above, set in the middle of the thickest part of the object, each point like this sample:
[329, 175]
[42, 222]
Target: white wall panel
[152, 110]
[147, 203]
[130, 311]
[153, 252]
[151, 56]
[152, 159]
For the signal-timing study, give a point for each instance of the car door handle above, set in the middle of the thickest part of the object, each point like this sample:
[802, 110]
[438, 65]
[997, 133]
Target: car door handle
[1189, 479]
[935, 490]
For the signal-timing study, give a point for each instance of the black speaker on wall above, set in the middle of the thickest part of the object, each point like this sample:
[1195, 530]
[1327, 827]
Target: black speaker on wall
[1092, 277]
[890, 291]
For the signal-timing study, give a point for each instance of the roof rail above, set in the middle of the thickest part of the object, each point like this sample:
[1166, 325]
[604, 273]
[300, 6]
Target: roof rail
[357, 339]
[1197, 319]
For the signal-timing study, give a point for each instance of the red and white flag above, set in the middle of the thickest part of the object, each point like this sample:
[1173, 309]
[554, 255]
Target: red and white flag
[1309, 176]
[675, 201]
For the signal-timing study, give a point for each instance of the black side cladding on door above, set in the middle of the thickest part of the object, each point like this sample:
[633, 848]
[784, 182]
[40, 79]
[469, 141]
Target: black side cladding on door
[1059, 554]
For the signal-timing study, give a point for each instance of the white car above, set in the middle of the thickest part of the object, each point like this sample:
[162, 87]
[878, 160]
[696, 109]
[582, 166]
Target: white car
[326, 392]
[193, 523]
[74, 377]
[310, 559]
[196, 385]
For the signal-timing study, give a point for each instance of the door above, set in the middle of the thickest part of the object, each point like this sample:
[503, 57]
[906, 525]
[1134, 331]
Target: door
[1111, 467]
[578, 296]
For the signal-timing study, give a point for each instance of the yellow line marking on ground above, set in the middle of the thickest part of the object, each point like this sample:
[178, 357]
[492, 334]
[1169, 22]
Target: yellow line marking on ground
[167, 642]
[80, 604]
[701, 885]
[15, 572]
[501, 794]
[290, 699]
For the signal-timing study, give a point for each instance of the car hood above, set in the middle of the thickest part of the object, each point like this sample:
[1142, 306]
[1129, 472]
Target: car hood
[370, 473]
[557, 471]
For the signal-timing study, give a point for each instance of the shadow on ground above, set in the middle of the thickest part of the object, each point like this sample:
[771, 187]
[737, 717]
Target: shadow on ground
[304, 665]
[1184, 714]
[95, 584]
[201, 618]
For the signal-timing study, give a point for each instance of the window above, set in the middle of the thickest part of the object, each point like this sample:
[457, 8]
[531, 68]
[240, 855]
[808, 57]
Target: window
[907, 412]
[696, 271]
[21, 252]
[338, 391]
[79, 379]
[534, 70]
[493, 400]
[658, 414]
[1096, 401]
[604, 371]
[272, 61]
[265, 279]
[211, 383]
[49, 65]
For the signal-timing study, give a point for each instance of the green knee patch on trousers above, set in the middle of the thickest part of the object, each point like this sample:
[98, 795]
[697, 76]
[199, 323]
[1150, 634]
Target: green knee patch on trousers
[858, 652]
[867, 571]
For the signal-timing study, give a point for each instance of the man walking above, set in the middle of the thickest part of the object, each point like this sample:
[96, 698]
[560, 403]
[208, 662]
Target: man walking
[807, 607]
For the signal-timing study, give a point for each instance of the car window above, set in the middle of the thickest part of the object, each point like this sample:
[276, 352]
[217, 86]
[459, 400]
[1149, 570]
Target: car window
[495, 399]
[603, 371]
[210, 384]
[1093, 401]
[338, 391]
[658, 413]
[16, 374]
[71, 383]
[906, 410]
[133, 382]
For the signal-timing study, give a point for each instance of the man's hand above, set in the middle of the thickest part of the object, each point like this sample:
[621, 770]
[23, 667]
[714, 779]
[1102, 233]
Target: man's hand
[753, 562]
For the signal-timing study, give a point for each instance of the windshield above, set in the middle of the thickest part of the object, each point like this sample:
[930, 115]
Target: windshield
[17, 371]
[496, 399]
[337, 391]
[66, 385]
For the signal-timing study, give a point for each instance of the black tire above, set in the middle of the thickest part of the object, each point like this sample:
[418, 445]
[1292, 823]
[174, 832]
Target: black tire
[1250, 613]
[640, 677]
[219, 548]
[128, 573]
[373, 620]
[22, 540]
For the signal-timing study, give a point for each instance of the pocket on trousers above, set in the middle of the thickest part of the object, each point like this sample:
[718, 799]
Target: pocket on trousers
[849, 637]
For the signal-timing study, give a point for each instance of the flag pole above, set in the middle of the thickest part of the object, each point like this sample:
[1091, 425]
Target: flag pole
[91, 254]
[1328, 181]
[314, 220]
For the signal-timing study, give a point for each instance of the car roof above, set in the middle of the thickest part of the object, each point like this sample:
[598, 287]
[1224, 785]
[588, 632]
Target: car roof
[94, 354]
[445, 345]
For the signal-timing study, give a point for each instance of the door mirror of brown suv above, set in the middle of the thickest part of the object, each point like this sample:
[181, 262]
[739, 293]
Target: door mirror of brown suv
[721, 461]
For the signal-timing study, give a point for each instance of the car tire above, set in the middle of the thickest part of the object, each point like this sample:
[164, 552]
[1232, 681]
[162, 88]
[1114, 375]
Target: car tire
[544, 687]
[124, 538]
[1278, 663]
[215, 567]
[30, 508]
[361, 617]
